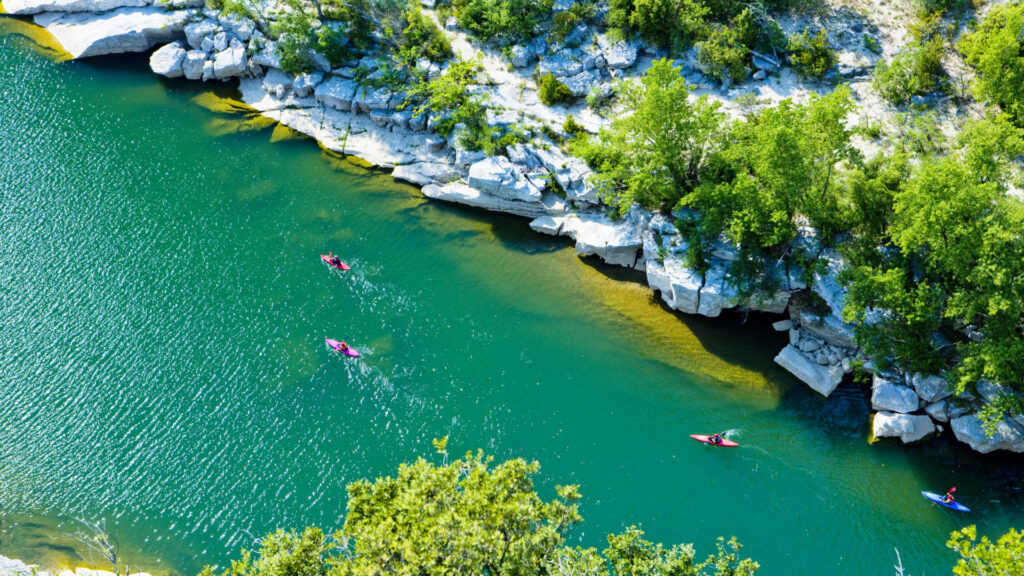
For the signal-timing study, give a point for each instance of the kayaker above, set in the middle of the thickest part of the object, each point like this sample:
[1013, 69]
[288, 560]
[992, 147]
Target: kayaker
[343, 347]
[335, 261]
[948, 498]
[716, 439]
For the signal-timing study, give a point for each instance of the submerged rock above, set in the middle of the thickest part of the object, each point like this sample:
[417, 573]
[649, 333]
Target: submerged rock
[908, 428]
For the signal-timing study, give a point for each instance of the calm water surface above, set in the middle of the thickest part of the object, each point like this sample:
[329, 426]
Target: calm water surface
[162, 315]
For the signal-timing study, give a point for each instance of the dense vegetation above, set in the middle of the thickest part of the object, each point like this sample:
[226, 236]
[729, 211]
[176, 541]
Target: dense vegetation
[504, 21]
[933, 242]
[917, 70]
[996, 51]
[469, 517]
[1004, 557]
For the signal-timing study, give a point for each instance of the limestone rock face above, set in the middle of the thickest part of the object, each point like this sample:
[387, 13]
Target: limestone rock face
[617, 54]
[892, 397]
[1008, 436]
[229, 62]
[306, 83]
[908, 428]
[562, 65]
[423, 173]
[595, 234]
[497, 176]
[338, 93]
[277, 83]
[930, 388]
[37, 6]
[462, 194]
[939, 411]
[821, 379]
[195, 32]
[167, 60]
[581, 83]
[84, 34]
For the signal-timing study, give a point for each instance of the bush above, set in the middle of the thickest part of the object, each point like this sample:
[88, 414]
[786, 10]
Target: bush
[552, 92]
[722, 56]
[502, 20]
[918, 70]
[811, 57]
[572, 127]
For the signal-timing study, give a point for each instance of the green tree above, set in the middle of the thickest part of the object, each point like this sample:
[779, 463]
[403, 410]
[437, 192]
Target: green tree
[722, 55]
[1004, 557]
[464, 518]
[502, 20]
[653, 153]
[996, 51]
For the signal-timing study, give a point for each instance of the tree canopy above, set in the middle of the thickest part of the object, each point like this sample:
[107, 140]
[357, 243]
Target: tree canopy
[468, 517]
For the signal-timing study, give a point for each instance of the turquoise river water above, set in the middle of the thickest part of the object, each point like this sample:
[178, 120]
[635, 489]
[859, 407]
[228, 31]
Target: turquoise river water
[162, 316]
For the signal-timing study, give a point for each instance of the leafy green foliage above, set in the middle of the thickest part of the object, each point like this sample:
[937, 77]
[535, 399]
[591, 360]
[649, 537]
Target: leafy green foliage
[502, 20]
[564, 21]
[917, 70]
[722, 55]
[551, 91]
[1003, 557]
[996, 51]
[811, 57]
[468, 517]
[421, 38]
[653, 153]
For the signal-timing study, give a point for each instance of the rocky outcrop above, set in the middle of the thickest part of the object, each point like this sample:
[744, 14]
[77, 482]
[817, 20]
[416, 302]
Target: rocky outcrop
[886, 395]
[617, 54]
[1008, 435]
[930, 388]
[499, 177]
[908, 428]
[821, 379]
[423, 173]
[84, 34]
[463, 194]
[230, 61]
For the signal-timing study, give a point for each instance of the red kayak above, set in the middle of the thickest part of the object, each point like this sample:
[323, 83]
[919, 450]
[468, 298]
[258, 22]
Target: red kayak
[340, 265]
[337, 346]
[725, 443]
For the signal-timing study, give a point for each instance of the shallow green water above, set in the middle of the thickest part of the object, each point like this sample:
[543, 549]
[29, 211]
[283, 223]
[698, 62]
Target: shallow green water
[162, 315]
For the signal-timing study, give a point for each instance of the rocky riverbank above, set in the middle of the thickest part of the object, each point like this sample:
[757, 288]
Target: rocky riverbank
[535, 180]
[15, 567]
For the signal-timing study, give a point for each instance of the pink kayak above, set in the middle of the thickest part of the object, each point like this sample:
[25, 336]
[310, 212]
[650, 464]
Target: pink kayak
[340, 265]
[337, 346]
[705, 439]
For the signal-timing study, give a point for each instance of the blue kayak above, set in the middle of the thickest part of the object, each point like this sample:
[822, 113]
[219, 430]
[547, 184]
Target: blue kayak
[937, 498]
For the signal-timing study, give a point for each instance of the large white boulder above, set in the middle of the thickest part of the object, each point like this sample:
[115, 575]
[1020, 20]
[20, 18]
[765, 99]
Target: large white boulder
[306, 83]
[267, 54]
[1008, 435]
[167, 60]
[892, 397]
[908, 428]
[462, 194]
[930, 388]
[37, 6]
[193, 64]
[278, 83]
[821, 379]
[229, 62]
[498, 176]
[84, 34]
